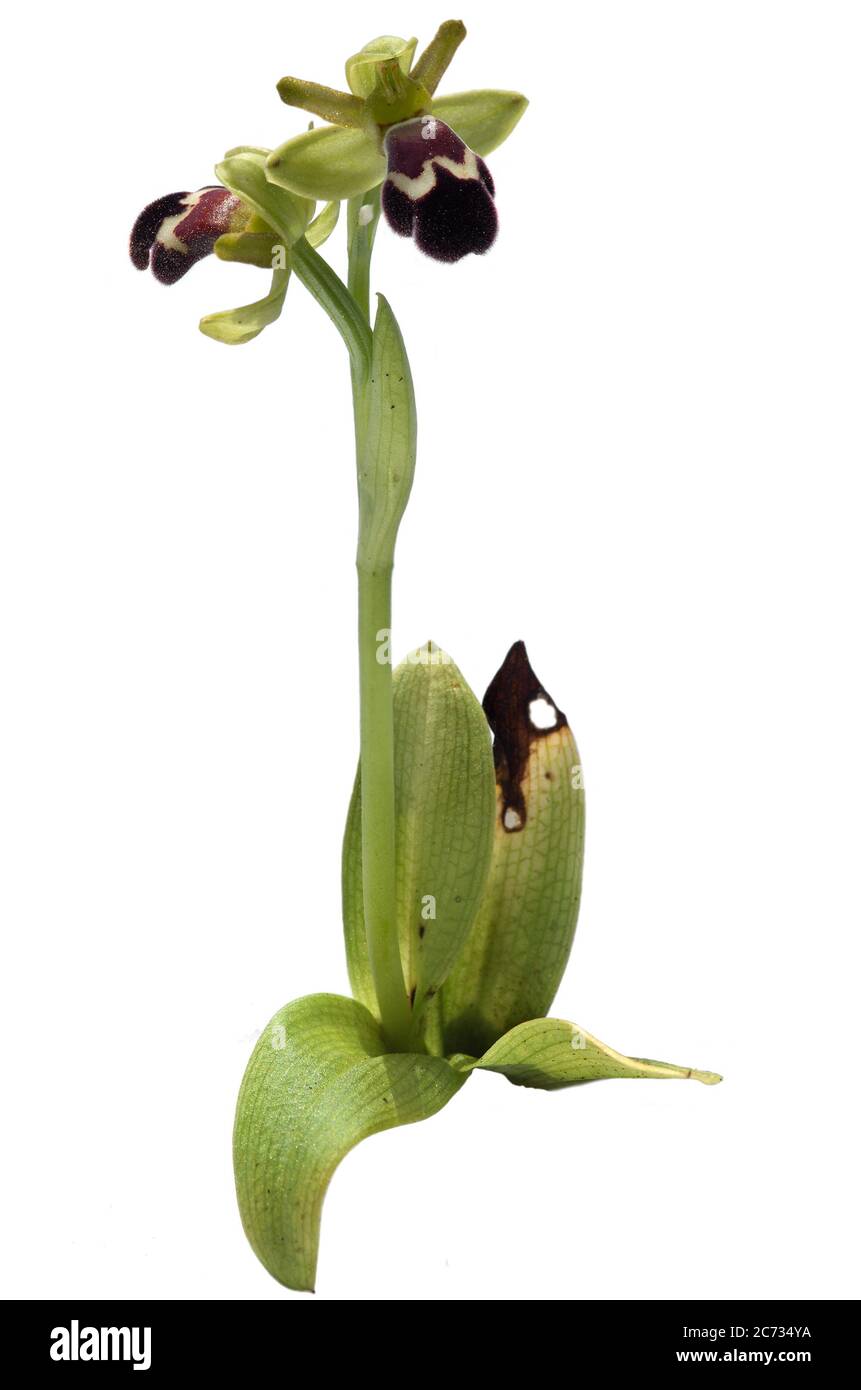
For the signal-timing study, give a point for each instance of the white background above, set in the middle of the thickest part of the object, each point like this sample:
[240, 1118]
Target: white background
[639, 450]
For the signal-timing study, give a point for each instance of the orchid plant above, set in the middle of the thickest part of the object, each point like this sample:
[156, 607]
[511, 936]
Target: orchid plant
[463, 852]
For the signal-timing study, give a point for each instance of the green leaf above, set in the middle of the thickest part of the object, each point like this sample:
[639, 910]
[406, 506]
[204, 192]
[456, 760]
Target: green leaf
[241, 325]
[516, 954]
[549, 1054]
[327, 163]
[387, 450]
[483, 119]
[286, 213]
[444, 800]
[318, 1082]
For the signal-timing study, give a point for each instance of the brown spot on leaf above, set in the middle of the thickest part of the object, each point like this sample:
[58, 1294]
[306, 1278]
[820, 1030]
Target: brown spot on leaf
[506, 704]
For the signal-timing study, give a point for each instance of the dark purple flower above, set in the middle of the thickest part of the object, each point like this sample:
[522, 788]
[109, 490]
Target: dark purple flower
[438, 190]
[176, 231]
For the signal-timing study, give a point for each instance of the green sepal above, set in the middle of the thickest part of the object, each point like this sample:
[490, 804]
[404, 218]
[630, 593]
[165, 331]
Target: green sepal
[329, 163]
[482, 119]
[517, 951]
[444, 806]
[234, 326]
[548, 1053]
[318, 1082]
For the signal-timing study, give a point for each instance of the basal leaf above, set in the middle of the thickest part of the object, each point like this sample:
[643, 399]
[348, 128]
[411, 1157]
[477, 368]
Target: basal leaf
[516, 954]
[444, 807]
[549, 1054]
[318, 1082]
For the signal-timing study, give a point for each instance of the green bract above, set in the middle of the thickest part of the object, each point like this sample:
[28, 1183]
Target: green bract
[463, 853]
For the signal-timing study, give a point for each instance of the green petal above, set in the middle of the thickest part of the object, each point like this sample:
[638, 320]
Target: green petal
[260, 247]
[241, 325]
[248, 248]
[431, 67]
[318, 1082]
[329, 163]
[483, 119]
[256, 151]
[514, 960]
[361, 69]
[549, 1054]
[444, 805]
[286, 213]
[323, 225]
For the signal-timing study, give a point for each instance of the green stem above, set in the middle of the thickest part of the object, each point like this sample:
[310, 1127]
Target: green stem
[378, 805]
[376, 704]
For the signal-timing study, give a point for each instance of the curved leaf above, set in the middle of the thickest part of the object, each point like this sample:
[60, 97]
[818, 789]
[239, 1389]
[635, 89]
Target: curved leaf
[517, 951]
[444, 799]
[387, 452]
[548, 1054]
[318, 1082]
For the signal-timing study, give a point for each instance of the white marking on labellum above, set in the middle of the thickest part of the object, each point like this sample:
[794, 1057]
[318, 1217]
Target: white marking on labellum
[165, 236]
[511, 820]
[423, 183]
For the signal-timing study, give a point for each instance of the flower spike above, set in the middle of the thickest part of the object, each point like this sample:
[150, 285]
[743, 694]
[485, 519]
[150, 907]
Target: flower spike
[438, 190]
[463, 852]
